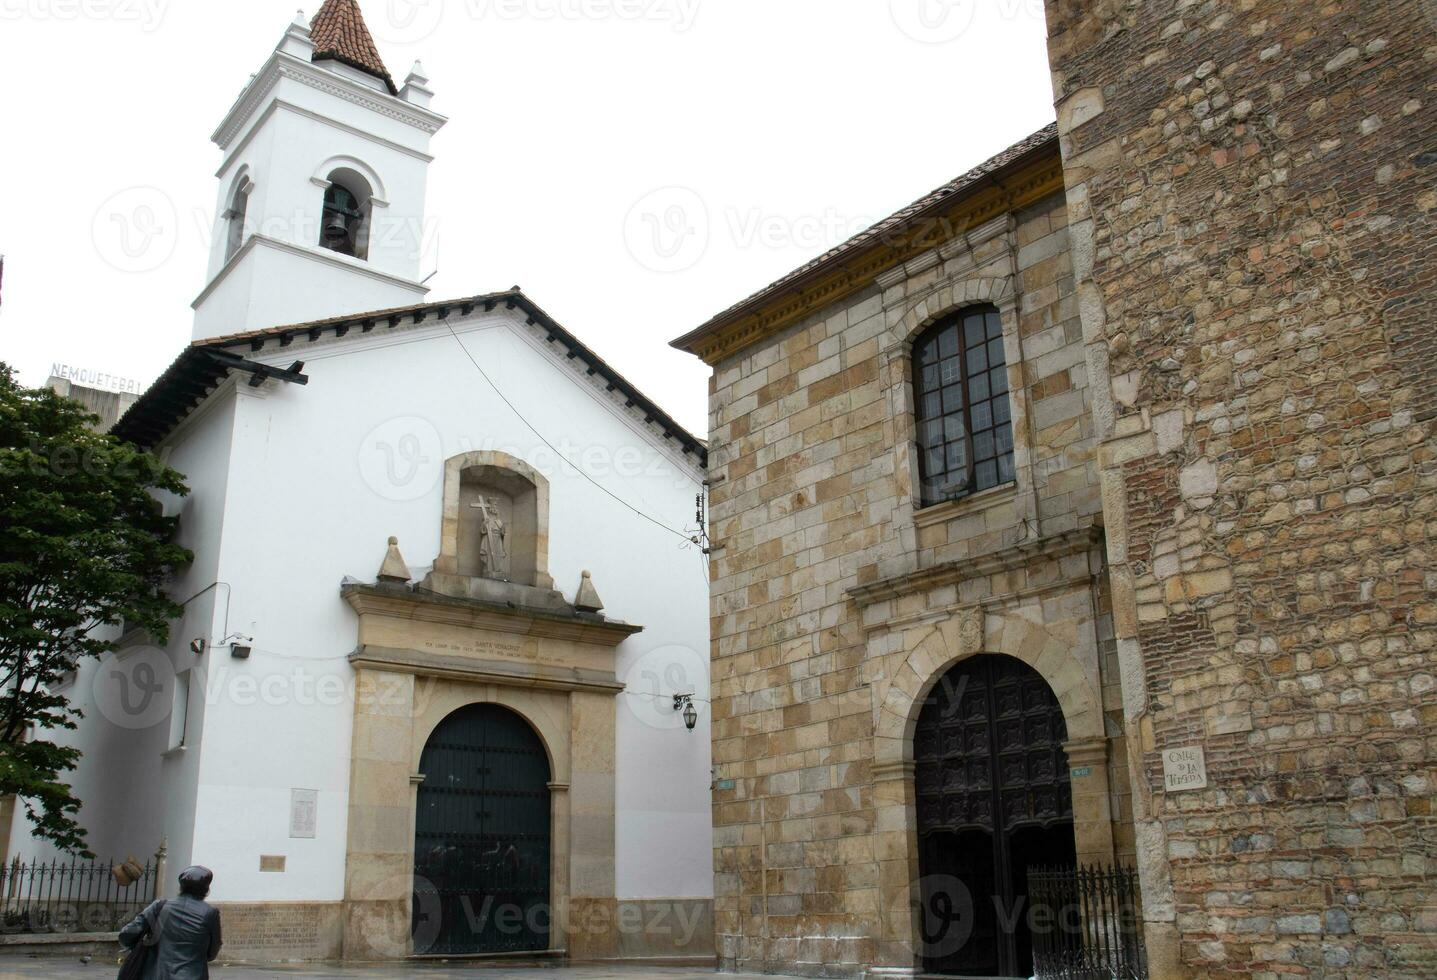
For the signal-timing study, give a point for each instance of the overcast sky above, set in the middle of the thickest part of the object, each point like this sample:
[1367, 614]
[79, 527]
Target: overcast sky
[635, 165]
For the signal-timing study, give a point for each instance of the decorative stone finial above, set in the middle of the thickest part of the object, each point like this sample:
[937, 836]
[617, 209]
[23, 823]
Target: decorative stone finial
[296, 40]
[394, 569]
[416, 90]
[587, 599]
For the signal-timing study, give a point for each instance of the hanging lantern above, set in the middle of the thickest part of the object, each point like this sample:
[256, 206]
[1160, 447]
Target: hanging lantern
[685, 703]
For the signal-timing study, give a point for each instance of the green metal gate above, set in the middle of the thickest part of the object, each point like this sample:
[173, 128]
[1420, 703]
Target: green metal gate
[481, 839]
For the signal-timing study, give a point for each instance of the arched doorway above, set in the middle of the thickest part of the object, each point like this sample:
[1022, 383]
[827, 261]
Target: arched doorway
[993, 798]
[482, 836]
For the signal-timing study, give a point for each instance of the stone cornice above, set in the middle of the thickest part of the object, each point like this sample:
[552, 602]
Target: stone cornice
[282, 65]
[313, 252]
[402, 603]
[420, 663]
[950, 573]
[233, 152]
[995, 197]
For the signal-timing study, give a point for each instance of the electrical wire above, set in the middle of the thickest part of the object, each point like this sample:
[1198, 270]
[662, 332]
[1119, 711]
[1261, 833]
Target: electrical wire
[520, 416]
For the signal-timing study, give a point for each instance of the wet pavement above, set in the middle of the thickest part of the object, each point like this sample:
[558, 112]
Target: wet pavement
[19, 967]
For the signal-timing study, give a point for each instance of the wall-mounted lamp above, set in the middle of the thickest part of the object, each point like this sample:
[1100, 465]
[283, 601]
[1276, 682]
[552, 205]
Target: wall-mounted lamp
[198, 646]
[239, 645]
[685, 703]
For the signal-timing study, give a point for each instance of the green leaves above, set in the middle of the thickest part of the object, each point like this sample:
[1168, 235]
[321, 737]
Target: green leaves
[84, 542]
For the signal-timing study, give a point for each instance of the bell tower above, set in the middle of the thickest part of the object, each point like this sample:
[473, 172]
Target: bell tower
[321, 190]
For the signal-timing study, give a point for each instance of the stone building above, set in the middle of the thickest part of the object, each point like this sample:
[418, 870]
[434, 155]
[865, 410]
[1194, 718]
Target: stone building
[1210, 548]
[861, 559]
[1251, 197]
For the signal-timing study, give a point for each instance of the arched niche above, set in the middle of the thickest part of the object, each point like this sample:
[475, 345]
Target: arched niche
[496, 520]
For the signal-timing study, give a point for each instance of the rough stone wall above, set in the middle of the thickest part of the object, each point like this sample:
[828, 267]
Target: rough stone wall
[814, 499]
[1250, 186]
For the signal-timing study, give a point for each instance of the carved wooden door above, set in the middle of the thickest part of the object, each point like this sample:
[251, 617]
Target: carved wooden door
[481, 840]
[990, 774]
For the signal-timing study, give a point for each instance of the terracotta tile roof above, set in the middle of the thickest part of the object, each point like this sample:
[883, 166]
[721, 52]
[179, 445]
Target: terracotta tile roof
[880, 232]
[203, 365]
[339, 32]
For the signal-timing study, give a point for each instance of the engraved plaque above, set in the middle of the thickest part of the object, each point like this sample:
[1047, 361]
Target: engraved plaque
[1184, 769]
[303, 813]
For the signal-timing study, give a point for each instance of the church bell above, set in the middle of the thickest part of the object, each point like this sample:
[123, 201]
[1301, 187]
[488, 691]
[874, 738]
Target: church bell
[336, 229]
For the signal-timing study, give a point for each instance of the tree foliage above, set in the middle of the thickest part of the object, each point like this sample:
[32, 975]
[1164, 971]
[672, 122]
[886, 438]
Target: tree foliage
[83, 544]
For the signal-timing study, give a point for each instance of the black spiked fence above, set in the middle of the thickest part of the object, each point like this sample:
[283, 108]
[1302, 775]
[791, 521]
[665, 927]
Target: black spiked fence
[1087, 923]
[74, 895]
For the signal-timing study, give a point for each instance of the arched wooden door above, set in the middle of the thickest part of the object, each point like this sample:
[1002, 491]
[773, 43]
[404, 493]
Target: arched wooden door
[482, 836]
[993, 798]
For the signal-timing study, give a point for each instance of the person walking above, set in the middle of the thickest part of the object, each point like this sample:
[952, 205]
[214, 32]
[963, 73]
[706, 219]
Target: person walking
[185, 932]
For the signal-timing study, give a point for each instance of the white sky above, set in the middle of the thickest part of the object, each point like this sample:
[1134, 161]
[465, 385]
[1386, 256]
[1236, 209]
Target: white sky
[765, 130]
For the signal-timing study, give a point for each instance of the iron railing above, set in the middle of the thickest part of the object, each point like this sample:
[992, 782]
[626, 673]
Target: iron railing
[73, 896]
[1087, 924]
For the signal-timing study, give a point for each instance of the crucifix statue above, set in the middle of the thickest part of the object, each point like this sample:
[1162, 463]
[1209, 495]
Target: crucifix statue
[493, 551]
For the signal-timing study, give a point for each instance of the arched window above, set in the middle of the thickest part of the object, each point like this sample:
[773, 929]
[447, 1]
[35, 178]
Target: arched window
[965, 429]
[345, 224]
[235, 218]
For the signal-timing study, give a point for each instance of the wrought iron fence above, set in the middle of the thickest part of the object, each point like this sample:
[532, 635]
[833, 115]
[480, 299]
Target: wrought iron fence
[75, 895]
[1087, 924]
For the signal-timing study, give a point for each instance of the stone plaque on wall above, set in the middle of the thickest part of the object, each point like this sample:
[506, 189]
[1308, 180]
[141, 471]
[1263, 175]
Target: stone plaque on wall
[1184, 769]
[303, 812]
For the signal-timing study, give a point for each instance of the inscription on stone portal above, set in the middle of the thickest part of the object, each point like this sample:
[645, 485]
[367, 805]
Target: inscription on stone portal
[1184, 769]
[494, 649]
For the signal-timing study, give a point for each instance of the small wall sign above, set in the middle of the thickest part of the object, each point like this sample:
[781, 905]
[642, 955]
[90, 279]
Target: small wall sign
[1184, 769]
[1080, 772]
[303, 812]
[272, 863]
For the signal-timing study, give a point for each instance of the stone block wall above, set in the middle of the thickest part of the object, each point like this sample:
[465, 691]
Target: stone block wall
[831, 582]
[1250, 190]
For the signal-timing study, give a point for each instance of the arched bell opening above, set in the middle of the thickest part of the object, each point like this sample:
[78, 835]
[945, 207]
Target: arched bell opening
[345, 218]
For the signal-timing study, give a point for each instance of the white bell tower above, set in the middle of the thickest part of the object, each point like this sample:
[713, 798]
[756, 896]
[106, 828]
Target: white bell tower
[321, 191]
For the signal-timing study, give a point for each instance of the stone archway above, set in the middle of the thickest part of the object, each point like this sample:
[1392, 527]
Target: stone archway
[898, 702]
[421, 657]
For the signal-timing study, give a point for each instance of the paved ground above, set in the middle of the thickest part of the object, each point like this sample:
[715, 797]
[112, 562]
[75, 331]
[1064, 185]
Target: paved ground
[70, 968]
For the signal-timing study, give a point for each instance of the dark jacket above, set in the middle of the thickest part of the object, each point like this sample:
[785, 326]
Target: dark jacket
[188, 939]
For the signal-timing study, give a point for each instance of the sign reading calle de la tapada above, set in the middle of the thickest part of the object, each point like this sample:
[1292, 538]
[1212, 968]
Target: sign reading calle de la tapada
[1184, 769]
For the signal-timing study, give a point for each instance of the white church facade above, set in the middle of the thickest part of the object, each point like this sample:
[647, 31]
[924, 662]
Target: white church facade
[446, 627]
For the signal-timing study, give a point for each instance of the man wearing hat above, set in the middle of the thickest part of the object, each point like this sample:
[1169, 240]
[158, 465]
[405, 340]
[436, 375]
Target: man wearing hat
[185, 931]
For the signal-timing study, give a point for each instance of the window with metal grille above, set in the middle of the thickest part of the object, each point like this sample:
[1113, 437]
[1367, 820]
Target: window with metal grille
[960, 383]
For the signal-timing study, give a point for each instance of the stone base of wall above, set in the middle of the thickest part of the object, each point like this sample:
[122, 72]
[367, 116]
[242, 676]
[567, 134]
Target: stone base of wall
[674, 931]
[280, 932]
[658, 929]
